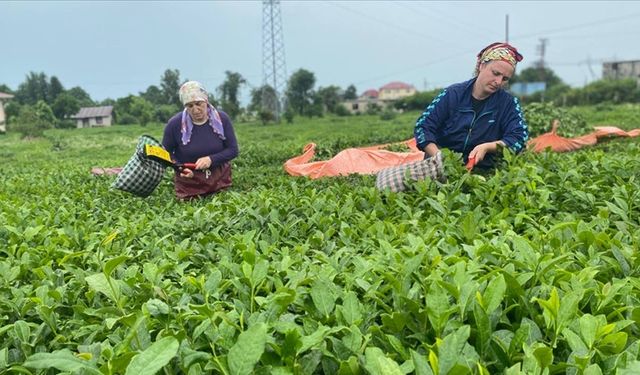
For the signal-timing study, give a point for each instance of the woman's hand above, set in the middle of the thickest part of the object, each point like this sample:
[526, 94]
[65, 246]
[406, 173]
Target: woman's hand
[203, 163]
[480, 151]
[186, 173]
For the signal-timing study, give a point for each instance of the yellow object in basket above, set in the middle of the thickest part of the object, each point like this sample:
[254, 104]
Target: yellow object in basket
[157, 152]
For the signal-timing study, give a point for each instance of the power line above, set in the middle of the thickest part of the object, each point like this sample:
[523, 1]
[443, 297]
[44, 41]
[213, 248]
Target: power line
[445, 17]
[579, 26]
[382, 21]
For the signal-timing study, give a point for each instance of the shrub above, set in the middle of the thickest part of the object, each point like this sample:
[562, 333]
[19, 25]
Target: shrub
[33, 120]
[266, 116]
[540, 115]
[387, 115]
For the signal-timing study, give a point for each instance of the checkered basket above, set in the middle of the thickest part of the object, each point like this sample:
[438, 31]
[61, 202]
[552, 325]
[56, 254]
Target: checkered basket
[141, 175]
[399, 177]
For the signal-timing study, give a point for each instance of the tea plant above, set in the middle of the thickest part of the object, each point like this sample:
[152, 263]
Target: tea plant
[530, 269]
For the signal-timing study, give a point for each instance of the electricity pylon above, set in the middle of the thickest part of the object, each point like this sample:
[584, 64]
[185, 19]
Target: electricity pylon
[274, 71]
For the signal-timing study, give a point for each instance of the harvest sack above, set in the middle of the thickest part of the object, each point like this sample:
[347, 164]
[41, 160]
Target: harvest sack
[141, 175]
[204, 182]
[398, 178]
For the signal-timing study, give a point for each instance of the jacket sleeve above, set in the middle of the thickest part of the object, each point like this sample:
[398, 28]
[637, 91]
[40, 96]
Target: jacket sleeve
[168, 139]
[516, 132]
[230, 150]
[431, 119]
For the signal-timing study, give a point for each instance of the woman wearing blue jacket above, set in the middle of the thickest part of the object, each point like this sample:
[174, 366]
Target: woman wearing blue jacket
[476, 117]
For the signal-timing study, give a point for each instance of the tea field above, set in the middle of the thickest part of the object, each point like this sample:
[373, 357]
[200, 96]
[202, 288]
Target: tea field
[531, 269]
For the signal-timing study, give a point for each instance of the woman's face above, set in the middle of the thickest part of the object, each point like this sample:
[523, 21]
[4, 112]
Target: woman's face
[492, 76]
[197, 110]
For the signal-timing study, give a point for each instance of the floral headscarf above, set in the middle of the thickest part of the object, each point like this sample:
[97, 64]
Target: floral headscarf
[193, 91]
[498, 51]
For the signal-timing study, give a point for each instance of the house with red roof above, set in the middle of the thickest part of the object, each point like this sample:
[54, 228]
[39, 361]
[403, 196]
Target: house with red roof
[395, 90]
[374, 100]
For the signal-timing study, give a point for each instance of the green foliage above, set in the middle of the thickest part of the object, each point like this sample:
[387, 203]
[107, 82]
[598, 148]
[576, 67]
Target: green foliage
[83, 98]
[65, 106]
[387, 115]
[154, 95]
[539, 117]
[263, 98]
[416, 102]
[162, 113]
[533, 74]
[625, 116]
[35, 88]
[229, 92]
[341, 110]
[330, 98]
[170, 85]
[605, 91]
[266, 117]
[12, 110]
[530, 269]
[373, 109]
[300, 93]
[288, 116]
[350, 93]
[33, 120]
[136, 110]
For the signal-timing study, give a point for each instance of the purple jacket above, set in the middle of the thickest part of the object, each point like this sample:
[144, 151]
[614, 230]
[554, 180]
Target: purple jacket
[204, 142]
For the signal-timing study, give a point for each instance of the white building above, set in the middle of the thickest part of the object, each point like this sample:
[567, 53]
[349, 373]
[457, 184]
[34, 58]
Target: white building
[3, 119]
[89, 117]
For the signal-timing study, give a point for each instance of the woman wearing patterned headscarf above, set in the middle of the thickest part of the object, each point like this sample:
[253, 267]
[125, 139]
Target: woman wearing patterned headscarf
[477, 117]
[202, 135]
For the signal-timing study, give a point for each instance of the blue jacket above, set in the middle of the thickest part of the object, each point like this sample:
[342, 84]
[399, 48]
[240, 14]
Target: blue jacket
[450, 122]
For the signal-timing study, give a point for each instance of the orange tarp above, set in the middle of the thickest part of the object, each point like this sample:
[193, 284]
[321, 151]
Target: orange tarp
[560, 144]
[371, 159]
[362, 160]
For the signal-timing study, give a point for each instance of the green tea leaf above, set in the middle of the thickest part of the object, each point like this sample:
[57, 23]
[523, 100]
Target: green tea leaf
[246, 352]
[22, 331]
[152, 359]
[62, 360]
[451, 349]
[420, 364]
[113, 263]
[99, 283]
[351, 311]
[322, 297]
[379, 364]
[494, 293]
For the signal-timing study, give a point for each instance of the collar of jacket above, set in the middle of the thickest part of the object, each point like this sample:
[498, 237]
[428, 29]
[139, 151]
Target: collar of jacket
[468, 89]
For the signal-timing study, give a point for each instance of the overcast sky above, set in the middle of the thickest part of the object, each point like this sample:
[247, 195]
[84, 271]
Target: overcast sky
[116, 48]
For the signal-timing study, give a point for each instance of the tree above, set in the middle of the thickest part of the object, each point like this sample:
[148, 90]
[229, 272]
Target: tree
[153, 95]
[55, 89]
[4, 88]
[299, 91]
[142, 110]
[12, 110]
[229, 91]
[259, 96]
[170, 84]
[33, 120]
[330, 97]
[350, 93]
[65, 105]
[534, 74]
[84, 99]
[34, 88]
[133, 109]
